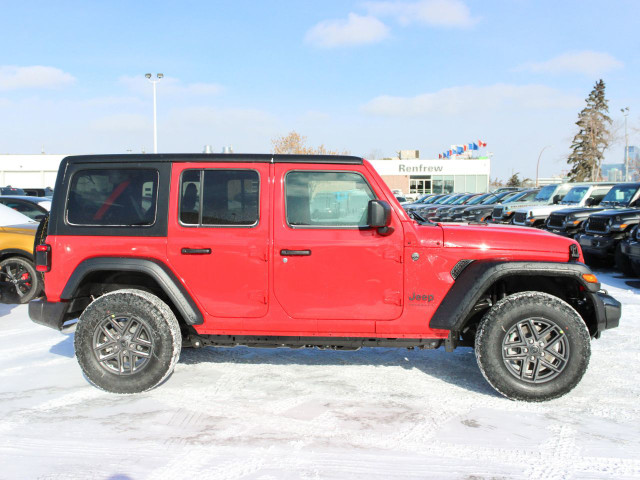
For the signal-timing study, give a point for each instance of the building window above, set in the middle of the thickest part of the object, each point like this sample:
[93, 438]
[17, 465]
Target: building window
[420, 184]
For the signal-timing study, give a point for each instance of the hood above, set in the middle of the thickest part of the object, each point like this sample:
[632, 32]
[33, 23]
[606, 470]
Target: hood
[579, 211]
[23, 229]
[627, 212]
[493, 237]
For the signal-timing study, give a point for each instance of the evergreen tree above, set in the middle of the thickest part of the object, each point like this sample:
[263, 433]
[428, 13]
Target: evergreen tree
[592, 139]
[514, 180]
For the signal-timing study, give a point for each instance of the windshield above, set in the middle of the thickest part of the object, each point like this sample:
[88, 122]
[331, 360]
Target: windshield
[620, 195]
[479, 198]
[462, 199]
[450, 200]
[545, 194]
[423, 198]
[575, 195]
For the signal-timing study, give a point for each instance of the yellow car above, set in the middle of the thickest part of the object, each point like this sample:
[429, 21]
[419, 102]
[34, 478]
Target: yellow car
[19, 281]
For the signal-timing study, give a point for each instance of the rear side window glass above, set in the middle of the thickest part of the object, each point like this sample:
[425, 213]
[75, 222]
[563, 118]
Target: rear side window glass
[219, 197]
[113, 197]
[327, 199]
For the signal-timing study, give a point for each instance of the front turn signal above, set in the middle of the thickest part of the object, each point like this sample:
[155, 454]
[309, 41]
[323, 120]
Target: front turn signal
[590, 278]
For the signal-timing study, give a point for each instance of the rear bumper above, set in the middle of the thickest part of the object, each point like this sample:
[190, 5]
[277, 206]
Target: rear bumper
[608, 311]
[49, 314]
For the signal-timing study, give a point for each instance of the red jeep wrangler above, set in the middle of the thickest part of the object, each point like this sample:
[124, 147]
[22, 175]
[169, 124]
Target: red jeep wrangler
[156, 252]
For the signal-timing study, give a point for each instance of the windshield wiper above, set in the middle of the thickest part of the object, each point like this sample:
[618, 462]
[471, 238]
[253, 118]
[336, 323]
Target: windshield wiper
[420, 218]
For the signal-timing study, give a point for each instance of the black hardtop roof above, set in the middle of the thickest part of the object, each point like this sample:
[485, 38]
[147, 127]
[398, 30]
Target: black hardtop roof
[216, 157]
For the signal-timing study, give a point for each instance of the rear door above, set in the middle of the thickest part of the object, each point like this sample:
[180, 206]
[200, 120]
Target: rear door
[218, 237]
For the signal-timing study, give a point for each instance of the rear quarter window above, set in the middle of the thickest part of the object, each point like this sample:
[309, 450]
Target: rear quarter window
[113, 197]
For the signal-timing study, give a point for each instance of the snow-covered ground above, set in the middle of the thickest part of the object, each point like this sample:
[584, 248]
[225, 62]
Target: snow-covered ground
[267, 414]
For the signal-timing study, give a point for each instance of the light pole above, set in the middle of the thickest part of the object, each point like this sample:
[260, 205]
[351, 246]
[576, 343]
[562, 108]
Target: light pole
[155, 120]
[538, 164]
[625, 112]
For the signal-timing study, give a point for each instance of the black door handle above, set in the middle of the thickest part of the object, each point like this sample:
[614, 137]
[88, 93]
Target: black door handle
[295, 253]
[195, 251]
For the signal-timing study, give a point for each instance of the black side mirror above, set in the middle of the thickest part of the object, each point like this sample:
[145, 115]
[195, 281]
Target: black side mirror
[39, 217]
[588, 202]
[379, 216]
[556, 199]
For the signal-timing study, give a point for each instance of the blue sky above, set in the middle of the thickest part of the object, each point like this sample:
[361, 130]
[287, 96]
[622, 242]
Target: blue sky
[369, 77]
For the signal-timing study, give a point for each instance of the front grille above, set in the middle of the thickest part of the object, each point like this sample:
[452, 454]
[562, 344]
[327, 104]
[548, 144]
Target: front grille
[556, 220]
[598, 224]
[520, 218]
[497, 213]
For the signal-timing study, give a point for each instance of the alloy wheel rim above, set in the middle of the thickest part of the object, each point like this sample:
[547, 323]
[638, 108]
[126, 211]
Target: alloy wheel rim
[123, 344]
[19, 276]
[535, 350]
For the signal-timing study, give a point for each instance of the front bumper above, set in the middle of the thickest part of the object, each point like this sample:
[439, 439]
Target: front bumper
[598, 244]
[608, 312]
[631, 249]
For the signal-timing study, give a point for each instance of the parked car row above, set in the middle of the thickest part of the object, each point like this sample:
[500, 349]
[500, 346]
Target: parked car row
[603, 217]
[33, 192]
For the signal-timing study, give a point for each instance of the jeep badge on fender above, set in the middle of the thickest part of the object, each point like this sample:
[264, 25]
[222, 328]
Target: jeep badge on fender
[155, 252]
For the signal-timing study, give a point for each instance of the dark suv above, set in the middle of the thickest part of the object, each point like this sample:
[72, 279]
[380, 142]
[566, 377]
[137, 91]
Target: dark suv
[156, 252]
[604, 230]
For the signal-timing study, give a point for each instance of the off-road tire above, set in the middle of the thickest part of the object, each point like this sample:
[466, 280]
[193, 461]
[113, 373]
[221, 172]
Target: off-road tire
[623, 263]
[510, 312]
[30, 287]
[162, 327]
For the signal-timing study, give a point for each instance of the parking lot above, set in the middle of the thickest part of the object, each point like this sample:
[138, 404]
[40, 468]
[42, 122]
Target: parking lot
[374, 413]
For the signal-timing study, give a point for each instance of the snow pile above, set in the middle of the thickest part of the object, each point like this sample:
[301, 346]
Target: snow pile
[266, 414]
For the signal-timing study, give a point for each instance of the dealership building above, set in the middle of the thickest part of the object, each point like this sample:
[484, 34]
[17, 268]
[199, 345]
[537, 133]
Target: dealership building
[418, 176]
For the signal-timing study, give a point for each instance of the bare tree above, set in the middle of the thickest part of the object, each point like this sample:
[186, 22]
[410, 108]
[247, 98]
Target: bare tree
[294, 143]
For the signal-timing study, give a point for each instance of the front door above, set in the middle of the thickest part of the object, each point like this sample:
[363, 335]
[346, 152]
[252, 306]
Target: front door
[219, 236]
[328, 265]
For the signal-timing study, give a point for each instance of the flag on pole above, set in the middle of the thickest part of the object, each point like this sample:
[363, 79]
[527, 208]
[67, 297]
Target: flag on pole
[475, 146]
[459, 150]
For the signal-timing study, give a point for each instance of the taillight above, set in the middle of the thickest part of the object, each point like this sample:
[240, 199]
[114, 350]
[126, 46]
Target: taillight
[43, 258]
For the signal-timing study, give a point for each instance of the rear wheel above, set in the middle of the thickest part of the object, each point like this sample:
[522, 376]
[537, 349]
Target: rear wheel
[532, 346]
[127, 341]
[24, 283]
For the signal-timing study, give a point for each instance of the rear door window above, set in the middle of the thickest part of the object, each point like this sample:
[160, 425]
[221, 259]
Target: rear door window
[219, 197]
[113, 197]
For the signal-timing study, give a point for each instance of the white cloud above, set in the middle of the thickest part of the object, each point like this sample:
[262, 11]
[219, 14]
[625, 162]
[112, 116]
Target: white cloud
[37, 76]
[587, 63]
[436, 13]
[355, 30]
[121, 123]
[170, 86]
[466, 99]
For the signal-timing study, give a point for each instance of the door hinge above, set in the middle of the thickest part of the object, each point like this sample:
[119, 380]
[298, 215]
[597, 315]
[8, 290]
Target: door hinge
[260, 297]
[259, 253]
[393, 298]
[392, 255]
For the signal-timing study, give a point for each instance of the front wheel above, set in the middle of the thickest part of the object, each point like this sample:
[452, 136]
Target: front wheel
[127, 341]
[532, 346]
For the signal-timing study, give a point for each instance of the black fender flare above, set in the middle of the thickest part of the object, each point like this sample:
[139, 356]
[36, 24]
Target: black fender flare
[479, 275]
[157, 270]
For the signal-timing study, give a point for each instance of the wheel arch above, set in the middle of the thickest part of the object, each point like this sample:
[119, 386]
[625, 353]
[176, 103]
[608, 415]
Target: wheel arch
[15, 252]
[98, 275]
[482, 283]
